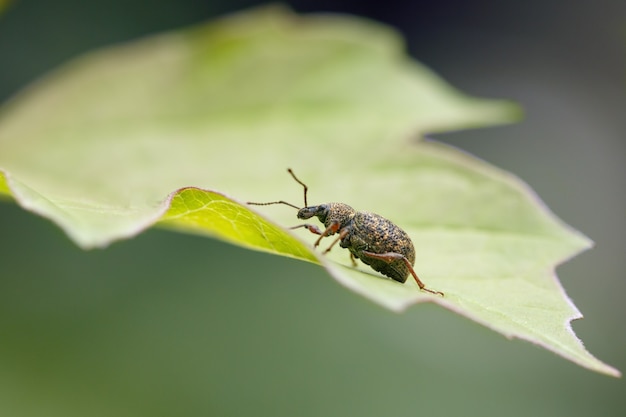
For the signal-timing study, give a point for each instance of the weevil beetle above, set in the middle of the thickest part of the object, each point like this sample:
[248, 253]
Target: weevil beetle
[373, 239]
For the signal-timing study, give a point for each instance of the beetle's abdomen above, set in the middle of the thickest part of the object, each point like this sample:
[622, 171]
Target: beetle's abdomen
[373, 233]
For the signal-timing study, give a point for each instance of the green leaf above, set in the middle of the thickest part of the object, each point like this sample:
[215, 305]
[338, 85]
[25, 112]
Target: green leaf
[183, 127]
[203, 211]
[5, 192]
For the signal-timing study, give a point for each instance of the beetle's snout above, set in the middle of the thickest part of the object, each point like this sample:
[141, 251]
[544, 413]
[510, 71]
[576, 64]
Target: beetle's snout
[320, 211]
[307, 212]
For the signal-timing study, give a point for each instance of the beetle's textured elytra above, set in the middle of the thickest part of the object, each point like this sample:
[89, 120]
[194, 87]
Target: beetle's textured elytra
[372, 232]
[370, 237]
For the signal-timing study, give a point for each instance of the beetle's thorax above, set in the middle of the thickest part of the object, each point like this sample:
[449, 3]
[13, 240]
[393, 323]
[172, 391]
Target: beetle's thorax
[329, 213]
[338, 212]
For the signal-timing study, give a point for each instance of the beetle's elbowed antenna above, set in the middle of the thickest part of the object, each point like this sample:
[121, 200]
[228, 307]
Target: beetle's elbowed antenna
[289, 170]
[284, 202]
[252, 203]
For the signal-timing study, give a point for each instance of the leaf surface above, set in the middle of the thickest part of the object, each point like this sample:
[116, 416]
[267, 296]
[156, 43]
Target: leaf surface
[183, 127]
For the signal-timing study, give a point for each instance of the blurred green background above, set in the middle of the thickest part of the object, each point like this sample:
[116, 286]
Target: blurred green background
[175, 325]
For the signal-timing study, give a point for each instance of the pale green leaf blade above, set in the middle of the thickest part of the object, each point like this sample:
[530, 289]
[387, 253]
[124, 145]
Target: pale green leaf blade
[133, 134]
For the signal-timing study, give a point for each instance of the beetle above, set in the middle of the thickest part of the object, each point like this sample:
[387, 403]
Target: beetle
[370, 237]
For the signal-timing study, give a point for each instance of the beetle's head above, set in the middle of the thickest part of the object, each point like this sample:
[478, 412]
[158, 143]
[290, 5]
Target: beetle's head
[321, 212]
[329, 213]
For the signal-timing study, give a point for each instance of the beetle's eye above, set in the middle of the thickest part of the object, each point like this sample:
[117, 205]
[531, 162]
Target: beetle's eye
[322, 212]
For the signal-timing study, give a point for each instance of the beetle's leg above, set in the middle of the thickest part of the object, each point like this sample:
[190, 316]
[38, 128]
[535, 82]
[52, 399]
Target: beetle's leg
[310, 227]
[343, 233]
[330, 230]
[353, 259]
[394, 256]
